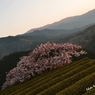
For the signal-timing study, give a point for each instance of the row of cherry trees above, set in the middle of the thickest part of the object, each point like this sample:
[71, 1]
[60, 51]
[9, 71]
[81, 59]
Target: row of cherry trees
[42, 59]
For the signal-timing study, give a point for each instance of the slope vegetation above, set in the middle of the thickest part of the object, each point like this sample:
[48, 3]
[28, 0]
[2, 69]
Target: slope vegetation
[85, 38]
[9, 62]
[34, 37]
[20, 43]
[29, 41]
[72, 79]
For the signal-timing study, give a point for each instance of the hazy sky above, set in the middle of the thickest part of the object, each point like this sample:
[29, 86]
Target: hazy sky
[19, 16]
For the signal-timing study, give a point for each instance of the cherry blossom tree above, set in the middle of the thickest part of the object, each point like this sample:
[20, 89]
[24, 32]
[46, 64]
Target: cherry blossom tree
[46, 57]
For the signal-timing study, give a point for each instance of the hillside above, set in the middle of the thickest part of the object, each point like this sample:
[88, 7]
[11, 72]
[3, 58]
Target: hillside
[72, 79]
[85, 38]
[9, 62]
[74, 22]
[50, 32]
[91, 44]
[53, 32]
[20, 43]
[29, 41]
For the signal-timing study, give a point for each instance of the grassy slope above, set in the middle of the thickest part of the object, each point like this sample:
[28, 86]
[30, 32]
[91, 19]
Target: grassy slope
[72, 79]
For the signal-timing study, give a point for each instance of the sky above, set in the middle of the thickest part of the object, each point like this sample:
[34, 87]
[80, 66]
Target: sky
[19, 16]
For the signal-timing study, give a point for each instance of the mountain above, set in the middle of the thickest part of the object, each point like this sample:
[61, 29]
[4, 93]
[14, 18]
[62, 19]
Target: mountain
[91, 44]
[72, 79]
[50, 32]
[85, 38]
[20, 43]
[69, 23]
[53, 32]
[31, 40]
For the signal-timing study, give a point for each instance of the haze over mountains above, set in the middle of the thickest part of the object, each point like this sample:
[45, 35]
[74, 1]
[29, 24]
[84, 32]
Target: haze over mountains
[71, 22]
[62, 31]
[84, 38]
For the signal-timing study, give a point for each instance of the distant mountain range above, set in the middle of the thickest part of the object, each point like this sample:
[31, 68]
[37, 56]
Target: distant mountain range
[69, 23]
[53, 32]
[20, 43]
[85, 38]
[11, 44]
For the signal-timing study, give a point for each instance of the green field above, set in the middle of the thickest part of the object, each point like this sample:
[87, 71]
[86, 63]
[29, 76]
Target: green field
[72, 79]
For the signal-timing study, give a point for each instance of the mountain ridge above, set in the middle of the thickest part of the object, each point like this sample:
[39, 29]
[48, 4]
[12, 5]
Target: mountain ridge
[30, 40]
[66, 23]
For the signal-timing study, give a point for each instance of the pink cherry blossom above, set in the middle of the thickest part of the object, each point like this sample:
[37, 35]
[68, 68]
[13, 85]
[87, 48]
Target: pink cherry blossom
[45, 57]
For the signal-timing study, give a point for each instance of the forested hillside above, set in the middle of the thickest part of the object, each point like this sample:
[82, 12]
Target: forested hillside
[85, 38]
[18, 43]
[9, 62]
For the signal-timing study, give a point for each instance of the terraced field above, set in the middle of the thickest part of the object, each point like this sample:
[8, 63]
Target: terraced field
[72, 79]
